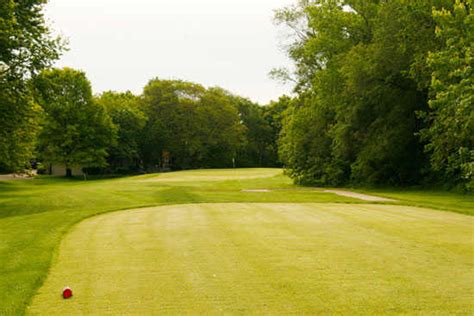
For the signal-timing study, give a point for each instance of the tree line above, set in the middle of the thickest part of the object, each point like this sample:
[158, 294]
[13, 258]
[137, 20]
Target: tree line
[383, 95]
[51, 116]
[173, 124]
[384, 92]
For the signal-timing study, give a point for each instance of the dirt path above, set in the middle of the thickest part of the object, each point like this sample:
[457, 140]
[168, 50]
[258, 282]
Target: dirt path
[360, 196]
[345, 193]
[6, 177]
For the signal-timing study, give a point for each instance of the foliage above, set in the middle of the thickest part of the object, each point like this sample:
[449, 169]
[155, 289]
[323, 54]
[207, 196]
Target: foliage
[450, 134]
[198, 127]
[258, 150]
[76, 132]
[123, 109]
[273, 114]
[18, 131]
[362, 75]
[305, 144]
[26, 47]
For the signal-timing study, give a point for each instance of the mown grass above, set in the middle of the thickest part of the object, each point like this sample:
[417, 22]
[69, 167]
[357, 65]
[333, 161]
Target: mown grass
[35, 214]
[264, 258]
[439, 200]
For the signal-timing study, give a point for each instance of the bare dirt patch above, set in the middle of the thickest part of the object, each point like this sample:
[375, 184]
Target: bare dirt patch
[7, 177]
[360, 196]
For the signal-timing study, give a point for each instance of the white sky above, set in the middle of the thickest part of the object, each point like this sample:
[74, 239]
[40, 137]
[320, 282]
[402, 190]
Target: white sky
[121, 44]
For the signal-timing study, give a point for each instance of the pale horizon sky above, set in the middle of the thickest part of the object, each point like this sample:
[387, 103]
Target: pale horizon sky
[122, 44]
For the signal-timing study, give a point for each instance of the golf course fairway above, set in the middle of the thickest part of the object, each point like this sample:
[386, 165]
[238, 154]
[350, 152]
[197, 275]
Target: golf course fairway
[264, 258]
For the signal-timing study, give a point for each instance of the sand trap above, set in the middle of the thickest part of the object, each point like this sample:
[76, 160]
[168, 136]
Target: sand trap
[257, 190]
[360, 196]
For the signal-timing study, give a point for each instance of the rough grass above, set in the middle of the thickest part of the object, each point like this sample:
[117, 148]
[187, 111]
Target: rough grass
[35, 214]
[265, 259]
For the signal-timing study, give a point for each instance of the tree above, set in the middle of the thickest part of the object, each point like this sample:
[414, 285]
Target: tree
[362, 75]
[225, 132]
[274, 114]
[198, 127]
[450, 134]
[305, 144]
[76, 132]
[26, 47]
[18, 129]
[259, 149]
[168, 104]
[123, 109]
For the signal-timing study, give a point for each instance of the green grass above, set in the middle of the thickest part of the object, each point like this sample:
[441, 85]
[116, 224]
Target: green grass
[265, 258]
[36, 214]
[439, 200]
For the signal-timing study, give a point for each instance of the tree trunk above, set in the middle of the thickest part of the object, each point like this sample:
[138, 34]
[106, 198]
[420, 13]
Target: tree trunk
[68, 172]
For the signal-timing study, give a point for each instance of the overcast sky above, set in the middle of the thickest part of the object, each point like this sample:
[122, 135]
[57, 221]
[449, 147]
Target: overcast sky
[121, 44]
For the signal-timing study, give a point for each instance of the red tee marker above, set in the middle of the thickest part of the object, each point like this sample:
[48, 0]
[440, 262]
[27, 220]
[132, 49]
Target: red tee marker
[67, 292]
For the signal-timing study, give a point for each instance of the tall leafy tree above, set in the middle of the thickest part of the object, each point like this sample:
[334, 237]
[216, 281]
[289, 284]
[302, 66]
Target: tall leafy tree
[123, 109]
[258, 149]
[274, 114]
[169, 106]
[450, 134]
[304, 144]
[26, 47]
[225, 132]
[19, 126]
[76, 131]
[198, 127]
[362, 75]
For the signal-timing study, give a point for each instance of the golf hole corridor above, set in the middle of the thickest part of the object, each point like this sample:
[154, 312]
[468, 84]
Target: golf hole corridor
[263, 258]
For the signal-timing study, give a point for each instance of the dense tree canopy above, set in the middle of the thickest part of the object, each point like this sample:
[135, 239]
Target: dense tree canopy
[198, 127]
[384, 95]
[76, 131]
[26, 47]
[123, 109]
[258, 148]
[363, 72]
[264, 126]
[450, 133]
[18, 129]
